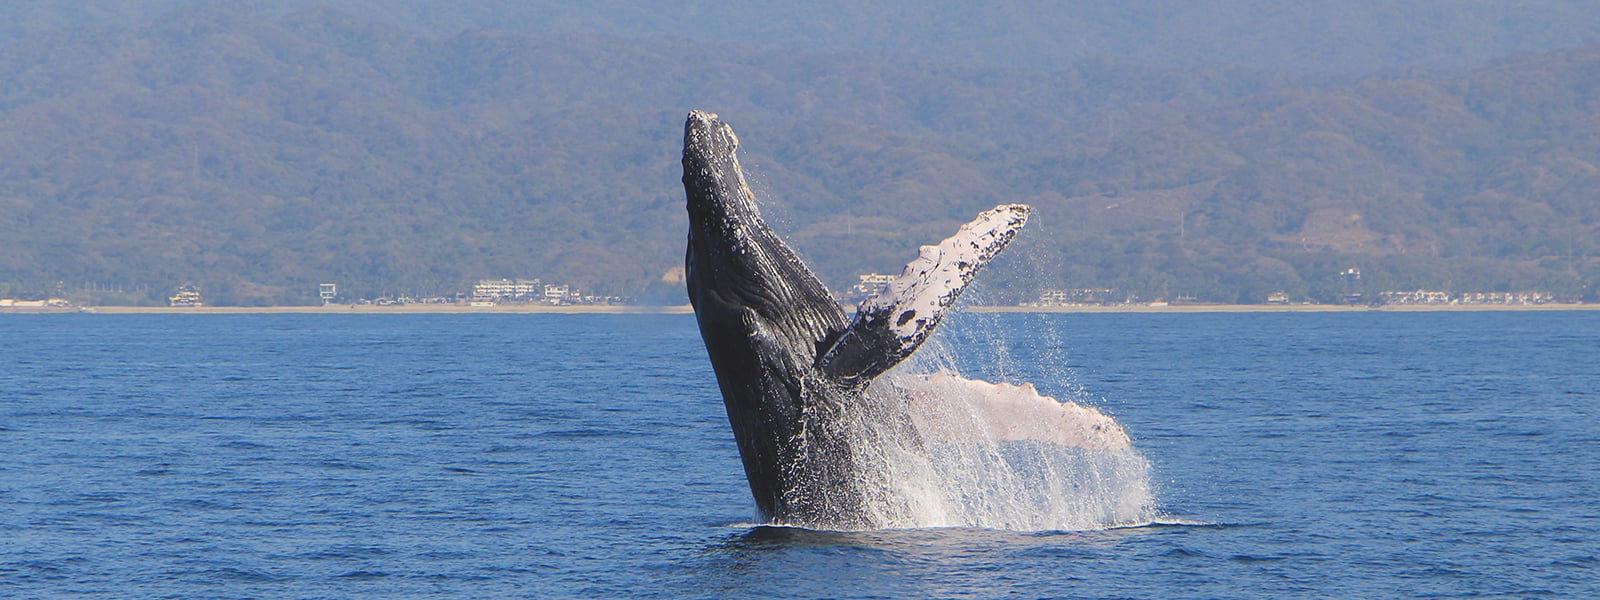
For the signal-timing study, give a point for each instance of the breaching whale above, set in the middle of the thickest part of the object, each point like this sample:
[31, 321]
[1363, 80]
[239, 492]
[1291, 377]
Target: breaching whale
[797, 374]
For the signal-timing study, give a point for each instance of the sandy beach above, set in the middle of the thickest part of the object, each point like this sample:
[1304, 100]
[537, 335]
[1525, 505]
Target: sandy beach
[402, 309]
[1279, 308]
[398, 309]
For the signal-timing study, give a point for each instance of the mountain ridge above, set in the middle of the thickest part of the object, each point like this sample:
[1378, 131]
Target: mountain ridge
[259, 156]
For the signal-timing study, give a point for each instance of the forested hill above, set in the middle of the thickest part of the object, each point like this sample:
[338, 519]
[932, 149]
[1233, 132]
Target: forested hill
[258, 155]
[1353, 36]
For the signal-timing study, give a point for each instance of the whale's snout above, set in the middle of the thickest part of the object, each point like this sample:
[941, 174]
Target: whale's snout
[707, 141]
[717, 192]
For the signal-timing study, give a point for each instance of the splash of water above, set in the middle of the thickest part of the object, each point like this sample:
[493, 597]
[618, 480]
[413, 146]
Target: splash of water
[991, 455]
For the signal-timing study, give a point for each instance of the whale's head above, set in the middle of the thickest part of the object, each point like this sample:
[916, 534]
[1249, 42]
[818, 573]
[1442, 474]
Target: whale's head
[720, 202]
[735, 261]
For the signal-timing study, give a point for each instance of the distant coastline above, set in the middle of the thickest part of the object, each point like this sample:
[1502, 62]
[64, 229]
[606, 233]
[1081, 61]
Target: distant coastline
[372, 309]
[342, 309]
[1279, 308]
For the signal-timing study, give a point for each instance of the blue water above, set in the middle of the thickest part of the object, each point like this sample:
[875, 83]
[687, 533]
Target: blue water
[1294, 455]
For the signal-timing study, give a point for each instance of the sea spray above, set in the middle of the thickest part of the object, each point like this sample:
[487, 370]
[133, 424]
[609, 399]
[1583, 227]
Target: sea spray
[990, 455]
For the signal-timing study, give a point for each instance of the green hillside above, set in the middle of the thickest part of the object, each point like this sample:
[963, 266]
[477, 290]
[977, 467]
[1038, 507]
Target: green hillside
[257, 156]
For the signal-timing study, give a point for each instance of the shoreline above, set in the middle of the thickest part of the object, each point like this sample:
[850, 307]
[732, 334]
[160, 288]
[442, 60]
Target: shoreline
[414, 309]
[341, 309]
[1282, 308]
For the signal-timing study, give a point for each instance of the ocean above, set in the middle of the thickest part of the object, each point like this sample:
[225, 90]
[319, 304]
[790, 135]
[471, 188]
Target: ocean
[1315, 455]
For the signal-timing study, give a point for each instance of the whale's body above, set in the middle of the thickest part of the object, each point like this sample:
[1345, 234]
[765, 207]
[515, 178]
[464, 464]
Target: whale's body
[789, 362]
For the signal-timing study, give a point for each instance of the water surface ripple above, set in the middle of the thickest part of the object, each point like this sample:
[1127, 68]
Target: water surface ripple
[1294, 455]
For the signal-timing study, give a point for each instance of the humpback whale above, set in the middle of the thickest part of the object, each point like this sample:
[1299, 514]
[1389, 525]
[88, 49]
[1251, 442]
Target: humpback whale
[799, 376]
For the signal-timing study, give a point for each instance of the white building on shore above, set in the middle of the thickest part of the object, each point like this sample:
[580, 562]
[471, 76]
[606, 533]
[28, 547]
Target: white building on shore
[188, 295]
[510, 290]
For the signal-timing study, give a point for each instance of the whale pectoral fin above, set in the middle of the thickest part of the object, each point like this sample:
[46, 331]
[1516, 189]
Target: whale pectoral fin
[889, 326]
